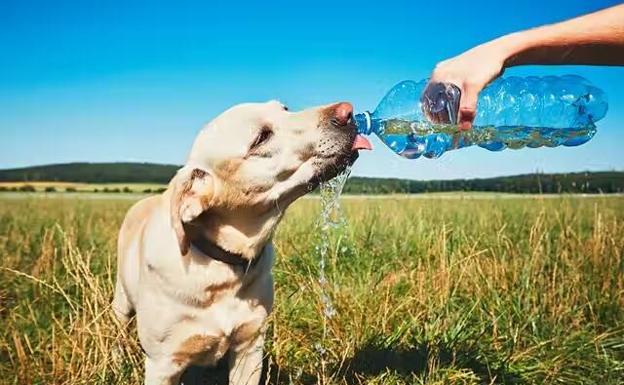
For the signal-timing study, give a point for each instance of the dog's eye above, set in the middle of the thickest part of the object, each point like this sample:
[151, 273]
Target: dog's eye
[264, 135]
[284, 107]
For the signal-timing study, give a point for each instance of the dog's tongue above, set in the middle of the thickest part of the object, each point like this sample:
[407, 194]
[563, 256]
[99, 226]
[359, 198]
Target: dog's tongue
[361, 143]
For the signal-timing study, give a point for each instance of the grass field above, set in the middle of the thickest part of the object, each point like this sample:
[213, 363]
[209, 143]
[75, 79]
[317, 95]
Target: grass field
[427, 291]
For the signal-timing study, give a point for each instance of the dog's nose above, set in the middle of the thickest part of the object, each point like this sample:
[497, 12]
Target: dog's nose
[343, 113]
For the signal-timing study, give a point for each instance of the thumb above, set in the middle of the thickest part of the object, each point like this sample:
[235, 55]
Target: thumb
[468, 106]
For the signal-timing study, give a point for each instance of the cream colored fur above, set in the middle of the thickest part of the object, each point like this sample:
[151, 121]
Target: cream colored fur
[244, 169]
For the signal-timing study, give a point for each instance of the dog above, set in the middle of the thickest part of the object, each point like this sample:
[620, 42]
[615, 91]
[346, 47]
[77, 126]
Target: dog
[194, 263]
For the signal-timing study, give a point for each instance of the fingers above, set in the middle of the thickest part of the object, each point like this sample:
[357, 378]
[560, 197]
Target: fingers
[436, 100]
[470, 71]
[468, 100]
[468, 106]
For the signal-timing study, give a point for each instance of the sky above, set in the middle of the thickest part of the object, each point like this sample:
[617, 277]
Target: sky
[105, 81]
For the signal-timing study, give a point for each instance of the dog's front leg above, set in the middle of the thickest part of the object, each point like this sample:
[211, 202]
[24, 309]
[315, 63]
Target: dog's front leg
[246, 363]
[162, 372]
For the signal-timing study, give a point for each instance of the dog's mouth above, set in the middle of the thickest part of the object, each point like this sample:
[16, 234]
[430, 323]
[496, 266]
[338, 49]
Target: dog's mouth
[361, 143]
[338, 153]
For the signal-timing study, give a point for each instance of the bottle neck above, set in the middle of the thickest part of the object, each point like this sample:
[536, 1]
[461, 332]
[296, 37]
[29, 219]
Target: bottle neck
[364, 123]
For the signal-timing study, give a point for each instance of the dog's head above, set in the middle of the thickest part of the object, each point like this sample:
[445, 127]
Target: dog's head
[251, 162]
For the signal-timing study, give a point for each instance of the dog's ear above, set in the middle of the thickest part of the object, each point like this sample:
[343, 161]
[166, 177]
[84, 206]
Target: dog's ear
[192, 189]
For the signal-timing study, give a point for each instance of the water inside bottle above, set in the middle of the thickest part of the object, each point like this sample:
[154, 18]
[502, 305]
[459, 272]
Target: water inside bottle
[412, 139]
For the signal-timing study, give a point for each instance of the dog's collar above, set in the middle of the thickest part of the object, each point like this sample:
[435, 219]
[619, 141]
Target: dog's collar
[214, 251]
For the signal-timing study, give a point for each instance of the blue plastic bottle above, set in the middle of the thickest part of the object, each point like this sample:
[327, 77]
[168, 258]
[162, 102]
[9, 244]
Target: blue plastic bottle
[511, 113]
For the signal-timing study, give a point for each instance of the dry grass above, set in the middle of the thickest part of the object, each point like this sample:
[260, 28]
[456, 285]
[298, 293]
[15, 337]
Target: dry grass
[427, 291]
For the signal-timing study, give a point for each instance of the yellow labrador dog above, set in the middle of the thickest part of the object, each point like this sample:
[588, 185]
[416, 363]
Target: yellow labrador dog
[194, 264]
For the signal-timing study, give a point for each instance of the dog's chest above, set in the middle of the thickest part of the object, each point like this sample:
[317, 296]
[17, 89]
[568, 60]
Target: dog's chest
[211, 307]
[230, 322]
[206, 335]
[218, 311]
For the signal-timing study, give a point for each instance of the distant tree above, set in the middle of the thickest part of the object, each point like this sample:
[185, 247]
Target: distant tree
[70, 189]
[50, 189]
[27, 188]
[147, 191]
[127, 189]
[4, 188]
[127, 173]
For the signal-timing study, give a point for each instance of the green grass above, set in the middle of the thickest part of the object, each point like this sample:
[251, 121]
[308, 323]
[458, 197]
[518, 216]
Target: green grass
[427, 291]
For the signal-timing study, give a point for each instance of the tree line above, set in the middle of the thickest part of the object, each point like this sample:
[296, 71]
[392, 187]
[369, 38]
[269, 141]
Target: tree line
[538, 183]
[582, 182]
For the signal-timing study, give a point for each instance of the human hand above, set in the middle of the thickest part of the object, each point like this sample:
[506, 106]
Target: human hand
[596, 38]
[470, 72]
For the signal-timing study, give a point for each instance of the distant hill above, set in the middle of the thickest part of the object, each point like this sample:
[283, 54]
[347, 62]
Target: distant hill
[583, 182]
[92, 173]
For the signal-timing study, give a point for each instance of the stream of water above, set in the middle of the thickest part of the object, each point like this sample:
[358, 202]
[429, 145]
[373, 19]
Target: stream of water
[330, 225]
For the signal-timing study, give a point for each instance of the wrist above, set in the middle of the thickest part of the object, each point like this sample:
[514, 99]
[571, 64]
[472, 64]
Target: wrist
[508, 47]
[511, 47]
[523, 47]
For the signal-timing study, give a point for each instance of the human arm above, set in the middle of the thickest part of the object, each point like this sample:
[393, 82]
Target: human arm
[595, 39]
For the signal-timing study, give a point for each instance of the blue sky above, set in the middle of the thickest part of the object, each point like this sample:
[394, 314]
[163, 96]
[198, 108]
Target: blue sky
[134, 81]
